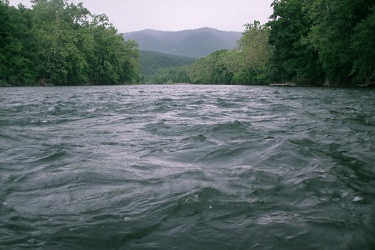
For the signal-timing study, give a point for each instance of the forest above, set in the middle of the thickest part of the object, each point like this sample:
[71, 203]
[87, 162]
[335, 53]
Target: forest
[307, 42]
[57, 42]
[155, 63]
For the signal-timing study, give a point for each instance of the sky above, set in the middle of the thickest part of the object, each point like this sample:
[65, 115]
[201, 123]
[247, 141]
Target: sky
[176, 15]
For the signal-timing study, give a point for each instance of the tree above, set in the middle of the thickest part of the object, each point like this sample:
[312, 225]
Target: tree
[255, 55]
[212, 69]
[113, 60]
[340, 36]
[323, 41]
[15, 60]
[65, 43]
[172, 75]
[294, 58]
[61, 43]
[362, 44]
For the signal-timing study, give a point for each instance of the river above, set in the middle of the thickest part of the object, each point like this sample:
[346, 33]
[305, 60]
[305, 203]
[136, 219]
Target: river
[187, 167]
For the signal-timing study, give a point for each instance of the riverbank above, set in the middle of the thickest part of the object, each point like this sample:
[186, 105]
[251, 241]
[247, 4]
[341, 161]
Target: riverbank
[288, 84]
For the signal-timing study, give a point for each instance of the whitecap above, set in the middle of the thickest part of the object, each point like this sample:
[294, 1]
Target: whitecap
[356, 199]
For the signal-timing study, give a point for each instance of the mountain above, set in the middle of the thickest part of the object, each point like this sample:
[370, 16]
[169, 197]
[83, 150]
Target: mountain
[191, 43]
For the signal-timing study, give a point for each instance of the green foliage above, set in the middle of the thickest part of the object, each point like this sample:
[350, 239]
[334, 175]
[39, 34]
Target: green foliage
[154, 65]
[247, 64]
[60, 43]
[212, 69]
[362, 44]
[294, 59]
[306, 41]
[172, 75]
[255, 55]
[16, 64]
[323, 41]
[318, 42]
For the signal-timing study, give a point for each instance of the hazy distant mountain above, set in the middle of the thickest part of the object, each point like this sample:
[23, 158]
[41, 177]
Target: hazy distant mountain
[192, 43]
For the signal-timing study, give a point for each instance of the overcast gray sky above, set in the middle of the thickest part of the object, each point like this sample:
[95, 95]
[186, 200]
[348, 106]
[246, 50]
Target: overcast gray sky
[174, 15]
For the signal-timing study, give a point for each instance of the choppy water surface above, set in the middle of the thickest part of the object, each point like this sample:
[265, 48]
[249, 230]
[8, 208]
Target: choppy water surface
[187, 167]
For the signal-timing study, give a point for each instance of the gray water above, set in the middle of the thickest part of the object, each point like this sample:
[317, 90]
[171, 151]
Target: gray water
[187, 167]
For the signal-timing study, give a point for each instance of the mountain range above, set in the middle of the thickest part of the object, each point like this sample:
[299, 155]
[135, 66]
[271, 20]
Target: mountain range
[191, 43]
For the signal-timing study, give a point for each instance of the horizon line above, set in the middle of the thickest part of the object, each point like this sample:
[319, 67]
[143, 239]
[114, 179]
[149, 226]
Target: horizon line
[188, 29]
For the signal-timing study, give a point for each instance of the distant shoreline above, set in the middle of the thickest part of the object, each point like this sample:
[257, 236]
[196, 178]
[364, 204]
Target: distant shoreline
[287, 85]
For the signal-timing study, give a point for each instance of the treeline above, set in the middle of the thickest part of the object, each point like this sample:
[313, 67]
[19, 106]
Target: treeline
[152, 62]
[60, 43]
[315, 42]
[247, 64]
[323, 41]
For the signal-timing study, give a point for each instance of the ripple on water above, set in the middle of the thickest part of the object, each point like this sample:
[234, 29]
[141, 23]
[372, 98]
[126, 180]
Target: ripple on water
[190, 167]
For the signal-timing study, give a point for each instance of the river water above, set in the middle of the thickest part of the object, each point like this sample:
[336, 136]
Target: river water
[187, 167]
